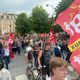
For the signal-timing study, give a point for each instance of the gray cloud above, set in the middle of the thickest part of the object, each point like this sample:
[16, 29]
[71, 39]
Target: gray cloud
[20, 5]
[17, 5]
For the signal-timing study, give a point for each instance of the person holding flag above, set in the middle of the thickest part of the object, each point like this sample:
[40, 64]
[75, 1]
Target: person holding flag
[52, 38]
[10, 41]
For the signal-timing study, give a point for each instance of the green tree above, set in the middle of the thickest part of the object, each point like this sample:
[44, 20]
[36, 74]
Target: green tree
[62, 6]
[22, 24]
[40, 19]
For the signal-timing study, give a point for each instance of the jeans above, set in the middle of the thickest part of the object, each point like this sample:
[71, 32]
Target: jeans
[64, 54]
[6, 60]
[35, 58]
[18, 49]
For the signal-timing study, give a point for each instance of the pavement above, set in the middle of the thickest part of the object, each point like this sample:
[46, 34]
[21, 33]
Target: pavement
[18, 66]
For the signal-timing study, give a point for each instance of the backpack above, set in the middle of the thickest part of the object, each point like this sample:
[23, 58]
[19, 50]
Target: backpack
[46, 55]
[56, 50]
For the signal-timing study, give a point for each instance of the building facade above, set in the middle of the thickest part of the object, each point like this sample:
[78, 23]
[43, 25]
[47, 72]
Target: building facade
[7, 22]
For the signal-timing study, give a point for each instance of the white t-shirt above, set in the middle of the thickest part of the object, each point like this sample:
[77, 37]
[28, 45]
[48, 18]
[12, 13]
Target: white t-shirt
[49, 78]
[29, 48]
[5, 74]
[6, 51]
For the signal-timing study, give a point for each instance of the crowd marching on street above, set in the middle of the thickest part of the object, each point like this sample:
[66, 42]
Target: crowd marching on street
[51, 56]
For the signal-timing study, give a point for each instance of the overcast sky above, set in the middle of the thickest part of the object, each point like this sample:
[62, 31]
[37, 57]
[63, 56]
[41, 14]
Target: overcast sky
[18, 6]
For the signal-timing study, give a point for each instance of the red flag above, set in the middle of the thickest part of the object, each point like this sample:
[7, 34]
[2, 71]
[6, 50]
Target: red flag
[51, 37]
[10, 38]
[75, 60]
[42, 35]
[69, 20]
[11, 35]
[10, 41]
[11, 54]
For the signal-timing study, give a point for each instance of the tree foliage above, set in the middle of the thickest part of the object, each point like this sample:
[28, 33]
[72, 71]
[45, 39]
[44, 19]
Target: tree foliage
[22, 24]
[40, 19]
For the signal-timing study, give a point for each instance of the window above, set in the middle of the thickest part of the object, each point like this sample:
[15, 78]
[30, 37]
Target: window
[2, 17]
[7, 17]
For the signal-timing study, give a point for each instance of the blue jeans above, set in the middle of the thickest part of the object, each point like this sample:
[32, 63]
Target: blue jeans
[35, 58]
[6, 60]
[64, 54]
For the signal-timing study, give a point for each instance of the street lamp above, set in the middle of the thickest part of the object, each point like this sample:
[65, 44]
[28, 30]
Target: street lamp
[53, 20]
[51, 7]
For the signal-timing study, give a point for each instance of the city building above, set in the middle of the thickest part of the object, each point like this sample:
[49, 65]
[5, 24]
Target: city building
[7, 22]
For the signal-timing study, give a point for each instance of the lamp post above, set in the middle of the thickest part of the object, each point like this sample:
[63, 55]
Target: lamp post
[52, 18]
[51, 7]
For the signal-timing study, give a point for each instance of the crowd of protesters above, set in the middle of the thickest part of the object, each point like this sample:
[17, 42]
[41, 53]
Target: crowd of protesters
[35, 41]
[41, 50]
